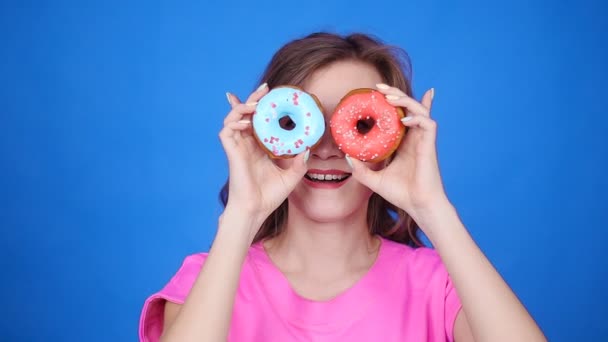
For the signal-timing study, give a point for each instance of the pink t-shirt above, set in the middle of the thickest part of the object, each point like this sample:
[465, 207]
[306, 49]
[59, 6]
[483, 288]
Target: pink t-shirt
[407, 295]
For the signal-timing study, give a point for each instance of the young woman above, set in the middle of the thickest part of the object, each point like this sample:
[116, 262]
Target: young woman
[297, 258]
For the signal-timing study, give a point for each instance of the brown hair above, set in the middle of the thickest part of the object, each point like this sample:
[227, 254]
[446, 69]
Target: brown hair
[293, 64]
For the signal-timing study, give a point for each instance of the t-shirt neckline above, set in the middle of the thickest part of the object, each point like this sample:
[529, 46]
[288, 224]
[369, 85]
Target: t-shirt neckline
[322, 316]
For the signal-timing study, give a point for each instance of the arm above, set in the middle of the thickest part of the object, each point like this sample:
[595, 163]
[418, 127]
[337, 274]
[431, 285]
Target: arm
[490, 310]
[207, 311]
[254, 193]
[412, 182]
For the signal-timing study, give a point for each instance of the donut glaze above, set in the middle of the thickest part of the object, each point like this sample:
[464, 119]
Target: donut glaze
[368, 109]
[302, 112]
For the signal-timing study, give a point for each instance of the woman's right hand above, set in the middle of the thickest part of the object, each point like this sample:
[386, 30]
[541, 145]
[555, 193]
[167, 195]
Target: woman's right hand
[257, 186]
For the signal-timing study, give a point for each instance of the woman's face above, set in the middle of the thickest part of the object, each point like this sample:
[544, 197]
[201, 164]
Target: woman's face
[326, 201]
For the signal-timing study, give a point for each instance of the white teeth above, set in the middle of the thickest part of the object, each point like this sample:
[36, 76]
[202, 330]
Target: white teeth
[318, 176]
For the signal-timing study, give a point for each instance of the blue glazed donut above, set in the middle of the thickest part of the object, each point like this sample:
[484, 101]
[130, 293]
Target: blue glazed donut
[287, 121]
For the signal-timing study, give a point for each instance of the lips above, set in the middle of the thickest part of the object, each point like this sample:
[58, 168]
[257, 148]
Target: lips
[326, 179]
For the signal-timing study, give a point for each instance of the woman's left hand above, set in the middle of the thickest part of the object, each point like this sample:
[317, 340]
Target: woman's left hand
[412, 180]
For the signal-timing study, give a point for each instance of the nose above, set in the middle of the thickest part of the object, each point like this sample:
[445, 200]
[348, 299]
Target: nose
[327, 148]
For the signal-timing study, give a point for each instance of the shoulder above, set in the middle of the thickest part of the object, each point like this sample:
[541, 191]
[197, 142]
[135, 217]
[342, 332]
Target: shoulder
[413, 255]
[179, 285]
[176, 291]
[420, 266]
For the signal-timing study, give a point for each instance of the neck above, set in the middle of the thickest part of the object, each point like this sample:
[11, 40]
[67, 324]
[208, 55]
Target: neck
[323, 248]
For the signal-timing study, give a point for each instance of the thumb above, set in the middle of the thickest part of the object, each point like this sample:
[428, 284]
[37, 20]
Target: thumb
[297, 170]
[363, 173]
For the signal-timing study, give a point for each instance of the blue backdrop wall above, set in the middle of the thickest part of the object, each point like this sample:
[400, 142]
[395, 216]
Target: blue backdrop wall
[109, 114]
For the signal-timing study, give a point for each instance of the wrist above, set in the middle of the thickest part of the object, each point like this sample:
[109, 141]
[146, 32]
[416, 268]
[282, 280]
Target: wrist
[240, 221]
[435, 217]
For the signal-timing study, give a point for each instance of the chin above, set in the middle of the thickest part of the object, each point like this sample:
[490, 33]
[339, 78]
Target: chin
[330, 205]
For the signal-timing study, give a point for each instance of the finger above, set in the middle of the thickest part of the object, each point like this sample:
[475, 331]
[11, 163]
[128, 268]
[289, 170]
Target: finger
[427, 99]
[231, 130]
[239, 111]
[229, 133]
[255, 97]
[407, 102]
[243, 111]
[258, 93]
[232, 99]
[293, 175]
[240, 129]
[262, 90]
[388, 90]
[394, 95]
[226, 136]
[231, 136]
[235, 102]
[363, 173]
[420, 121]
[239, 125]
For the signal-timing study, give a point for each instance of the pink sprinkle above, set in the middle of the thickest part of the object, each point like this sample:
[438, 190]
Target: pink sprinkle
[288, 151]
[307, 114]
[273, 105]
[265, 139]
[267, 119]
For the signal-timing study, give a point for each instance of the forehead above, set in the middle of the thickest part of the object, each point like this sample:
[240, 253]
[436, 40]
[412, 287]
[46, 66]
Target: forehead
[331, 83]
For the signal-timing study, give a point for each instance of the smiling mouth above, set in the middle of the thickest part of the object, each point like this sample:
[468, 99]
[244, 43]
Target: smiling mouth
[326, 178]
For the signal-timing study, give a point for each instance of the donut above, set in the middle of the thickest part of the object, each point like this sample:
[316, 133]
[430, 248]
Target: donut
[365, 126]
[287, 121]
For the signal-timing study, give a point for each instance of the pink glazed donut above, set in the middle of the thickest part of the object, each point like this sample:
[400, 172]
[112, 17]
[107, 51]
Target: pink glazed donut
[365, 126]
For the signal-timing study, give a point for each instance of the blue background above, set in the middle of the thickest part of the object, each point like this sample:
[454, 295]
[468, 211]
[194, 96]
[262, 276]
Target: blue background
[110, 161]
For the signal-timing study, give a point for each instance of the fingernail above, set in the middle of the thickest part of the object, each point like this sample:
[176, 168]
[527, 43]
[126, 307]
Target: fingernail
[432, 93]
[382, 86]
[251, 104]
[350, 162]
[306, 155]
[407, 118]
[392, 97]
[244, 121]
[262, 86]
[229, 98]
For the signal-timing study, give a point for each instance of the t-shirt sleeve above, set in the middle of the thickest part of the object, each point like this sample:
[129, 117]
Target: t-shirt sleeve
[452, 308]
[176, 290]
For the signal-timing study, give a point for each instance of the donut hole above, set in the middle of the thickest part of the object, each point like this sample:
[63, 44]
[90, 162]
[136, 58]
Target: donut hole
[287, 123]
[365, 125]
